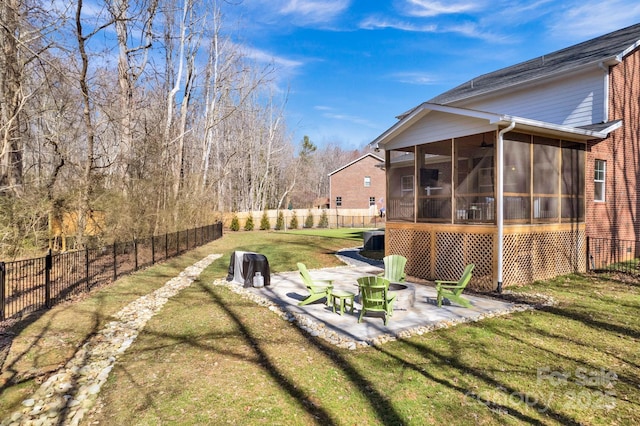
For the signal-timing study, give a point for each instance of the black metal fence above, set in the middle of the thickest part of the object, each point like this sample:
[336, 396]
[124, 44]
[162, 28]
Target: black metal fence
[29, 285]
[613, 255]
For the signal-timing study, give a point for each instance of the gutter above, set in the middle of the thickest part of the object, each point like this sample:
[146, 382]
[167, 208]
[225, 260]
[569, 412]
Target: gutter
[605, 110]
[500, 200]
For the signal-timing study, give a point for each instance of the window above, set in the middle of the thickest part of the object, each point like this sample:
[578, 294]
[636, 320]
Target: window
[600, 169]
[367, 181]
[372, 201]
[407, 184]
[338, 201]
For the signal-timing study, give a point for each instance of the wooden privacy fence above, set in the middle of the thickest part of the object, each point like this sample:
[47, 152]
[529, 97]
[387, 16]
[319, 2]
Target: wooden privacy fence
[342, 218]
[33, 284]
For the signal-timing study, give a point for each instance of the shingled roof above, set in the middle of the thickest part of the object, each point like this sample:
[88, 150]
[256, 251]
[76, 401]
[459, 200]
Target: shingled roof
[609, 48]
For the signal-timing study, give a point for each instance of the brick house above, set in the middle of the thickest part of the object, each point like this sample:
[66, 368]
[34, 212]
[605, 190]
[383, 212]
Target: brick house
[359, 184]
[514, 169]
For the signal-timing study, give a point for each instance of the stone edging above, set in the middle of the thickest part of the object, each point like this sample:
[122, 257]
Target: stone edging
[319, 330]
[68, 394]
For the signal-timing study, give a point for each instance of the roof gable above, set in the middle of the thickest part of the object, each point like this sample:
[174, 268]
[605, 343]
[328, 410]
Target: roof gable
[609, 49]
[355, 161]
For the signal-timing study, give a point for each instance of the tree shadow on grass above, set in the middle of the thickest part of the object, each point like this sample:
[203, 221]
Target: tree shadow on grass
[382, 407]
[378, 402]
[506, 391]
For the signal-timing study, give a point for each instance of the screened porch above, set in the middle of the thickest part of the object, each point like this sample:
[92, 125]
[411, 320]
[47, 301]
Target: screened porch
[453, 181]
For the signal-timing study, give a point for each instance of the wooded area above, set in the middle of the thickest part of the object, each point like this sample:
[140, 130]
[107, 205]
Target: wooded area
[147, 111]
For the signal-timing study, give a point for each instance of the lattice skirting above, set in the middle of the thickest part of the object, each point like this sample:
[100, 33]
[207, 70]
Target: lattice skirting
[441, 252]
[543, 255]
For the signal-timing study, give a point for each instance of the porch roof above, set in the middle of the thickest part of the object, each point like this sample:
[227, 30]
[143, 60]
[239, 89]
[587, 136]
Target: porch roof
[579, 134]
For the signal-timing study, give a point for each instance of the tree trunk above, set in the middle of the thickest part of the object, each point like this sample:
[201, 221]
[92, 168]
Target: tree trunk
[11, 100]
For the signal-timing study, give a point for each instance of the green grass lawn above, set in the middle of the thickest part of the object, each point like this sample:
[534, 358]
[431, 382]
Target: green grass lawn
[212, 357]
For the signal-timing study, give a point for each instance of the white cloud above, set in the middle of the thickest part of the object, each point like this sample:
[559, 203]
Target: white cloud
[263, 56]
[417, 78]
[592, 18]
[426, 8]
[330, 113]
[373, 23]
[315, 10]
[467, 29]
[351, 119]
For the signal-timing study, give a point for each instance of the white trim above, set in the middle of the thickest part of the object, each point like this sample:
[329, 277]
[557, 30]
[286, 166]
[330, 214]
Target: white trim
[500, 200]
[499, 120]
[603, 181]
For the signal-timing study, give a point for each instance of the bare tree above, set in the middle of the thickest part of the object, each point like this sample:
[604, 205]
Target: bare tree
[131, 18]
[192, 132]
[11, 99]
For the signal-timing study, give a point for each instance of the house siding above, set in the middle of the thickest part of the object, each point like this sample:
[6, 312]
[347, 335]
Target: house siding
[348, 183]
[617, 217]
[577, 100]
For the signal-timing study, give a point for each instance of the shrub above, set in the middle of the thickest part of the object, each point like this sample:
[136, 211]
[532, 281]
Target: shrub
[324, 220]
[248, 225]
[294, 221]
[265, 225]
[235, 223]
[308, 222]
[280, 221]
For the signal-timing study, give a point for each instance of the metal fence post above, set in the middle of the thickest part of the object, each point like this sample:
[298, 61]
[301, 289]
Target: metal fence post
[135, 253]
[3, 279]
[588, 255]
[48, 264]
[86, 267]
[115, 263]
[187, 231]
[166, 246]
[153, 250]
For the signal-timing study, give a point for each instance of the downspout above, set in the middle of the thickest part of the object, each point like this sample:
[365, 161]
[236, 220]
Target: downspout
[500, 200]
[605, 110]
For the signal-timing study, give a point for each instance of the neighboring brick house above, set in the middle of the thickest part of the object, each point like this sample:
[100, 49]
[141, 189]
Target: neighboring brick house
[515, 169]
[358, 185]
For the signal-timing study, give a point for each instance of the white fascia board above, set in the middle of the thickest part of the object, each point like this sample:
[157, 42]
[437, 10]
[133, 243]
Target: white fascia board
[569, 132]
[558, 129]
[626, 51]
[423, 110]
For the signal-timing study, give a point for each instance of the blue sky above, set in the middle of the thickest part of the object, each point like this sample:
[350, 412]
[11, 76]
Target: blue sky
[351, 66]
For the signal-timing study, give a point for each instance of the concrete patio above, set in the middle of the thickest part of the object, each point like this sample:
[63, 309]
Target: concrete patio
[287, 290]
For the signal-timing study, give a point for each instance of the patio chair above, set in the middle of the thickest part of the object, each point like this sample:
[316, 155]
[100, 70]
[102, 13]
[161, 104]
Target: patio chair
[318, 289]
[452, 290]
[394, 268]
[375, 296]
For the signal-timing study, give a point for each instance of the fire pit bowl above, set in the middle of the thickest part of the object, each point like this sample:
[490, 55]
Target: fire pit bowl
[405, 296]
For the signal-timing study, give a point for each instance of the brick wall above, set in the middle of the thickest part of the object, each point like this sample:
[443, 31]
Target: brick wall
[348, 183]
[617, 217]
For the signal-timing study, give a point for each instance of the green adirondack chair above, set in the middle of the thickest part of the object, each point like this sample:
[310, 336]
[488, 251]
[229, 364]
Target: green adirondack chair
[394, 268]
[318, 289]
[375, 296]
[452, 290]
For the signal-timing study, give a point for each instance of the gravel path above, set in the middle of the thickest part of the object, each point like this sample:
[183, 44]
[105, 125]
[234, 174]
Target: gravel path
[68, 394]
